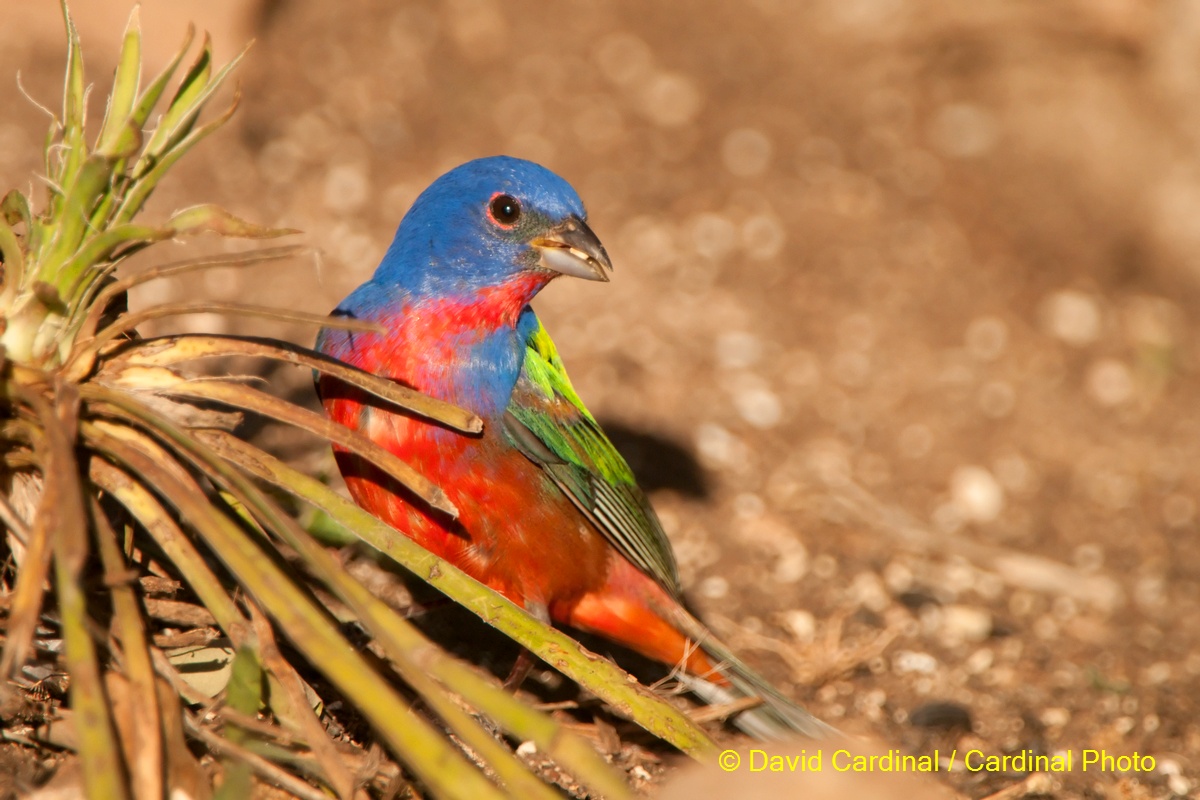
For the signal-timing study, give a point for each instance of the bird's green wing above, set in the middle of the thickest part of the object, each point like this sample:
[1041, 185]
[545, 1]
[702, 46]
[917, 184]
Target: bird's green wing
[548, 422]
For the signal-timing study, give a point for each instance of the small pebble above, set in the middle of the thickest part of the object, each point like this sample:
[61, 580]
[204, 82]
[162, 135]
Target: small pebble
[976, 494]
[714, 587]
[1110, 383]
[1072, 316]
[906, 661]
[1055, 717]
[965, 623]
[802, 624]
[941, 714]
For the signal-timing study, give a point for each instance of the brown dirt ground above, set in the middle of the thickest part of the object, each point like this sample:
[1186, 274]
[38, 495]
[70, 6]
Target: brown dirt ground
[902, 334]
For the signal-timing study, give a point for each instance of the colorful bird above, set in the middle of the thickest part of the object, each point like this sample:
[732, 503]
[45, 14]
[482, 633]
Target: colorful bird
[549, 512]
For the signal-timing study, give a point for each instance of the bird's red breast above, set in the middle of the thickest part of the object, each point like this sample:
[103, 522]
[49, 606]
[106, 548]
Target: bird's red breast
[516, 532]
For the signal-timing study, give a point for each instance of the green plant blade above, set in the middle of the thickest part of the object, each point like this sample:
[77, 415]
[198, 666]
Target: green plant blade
[601, 677]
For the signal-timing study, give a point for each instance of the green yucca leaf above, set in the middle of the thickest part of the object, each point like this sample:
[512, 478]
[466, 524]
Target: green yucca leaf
[74, 108]
[124, 92]
[441, 766]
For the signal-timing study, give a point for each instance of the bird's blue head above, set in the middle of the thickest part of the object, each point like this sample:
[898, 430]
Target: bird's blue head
[488, 222]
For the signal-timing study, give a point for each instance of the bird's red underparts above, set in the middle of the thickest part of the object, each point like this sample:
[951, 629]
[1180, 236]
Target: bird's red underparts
[516, 532]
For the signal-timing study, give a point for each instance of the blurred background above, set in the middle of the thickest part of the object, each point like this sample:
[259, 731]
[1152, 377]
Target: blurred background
[902, 334]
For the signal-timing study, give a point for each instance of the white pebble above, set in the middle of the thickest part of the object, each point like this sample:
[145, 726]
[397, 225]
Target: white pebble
[759, 406]
[802, 624]
[869, 592]
[906, 661]
[1055, 717]
[527, 748]
[1109, 382]
[965, 624]
[981, 660]
[976, 494]
[792, 565]
[1072, 316]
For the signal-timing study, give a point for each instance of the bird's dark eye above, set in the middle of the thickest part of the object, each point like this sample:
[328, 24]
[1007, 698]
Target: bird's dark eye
[505, 209]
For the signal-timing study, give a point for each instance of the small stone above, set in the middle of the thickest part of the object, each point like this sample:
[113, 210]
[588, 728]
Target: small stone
[527, 748]
[941, 714]
[868, 591]
[1055, 717]
[759, 406]
[976, 494]
[906, 661]
[802, 624]
[965, 623]
[792, 565]
[1072, 316]
[1110, 383]
[1179, 785]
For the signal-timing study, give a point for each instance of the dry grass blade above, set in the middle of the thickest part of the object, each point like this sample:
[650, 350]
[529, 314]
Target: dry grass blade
[150, 513]
[405, 651]
[25, 604]
[143, 751]
[600, 676]
[170, 350]
[509, 769]
[269, 772]
[333, 770]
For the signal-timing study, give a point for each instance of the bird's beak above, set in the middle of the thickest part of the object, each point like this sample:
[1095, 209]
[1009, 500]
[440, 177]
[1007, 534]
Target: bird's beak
[572, 249]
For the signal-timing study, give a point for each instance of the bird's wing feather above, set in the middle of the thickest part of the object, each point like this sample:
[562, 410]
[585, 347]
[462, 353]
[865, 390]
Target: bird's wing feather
[548, 422]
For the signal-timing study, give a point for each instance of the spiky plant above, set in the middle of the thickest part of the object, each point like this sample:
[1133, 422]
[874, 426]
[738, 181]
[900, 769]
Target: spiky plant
[121, 477]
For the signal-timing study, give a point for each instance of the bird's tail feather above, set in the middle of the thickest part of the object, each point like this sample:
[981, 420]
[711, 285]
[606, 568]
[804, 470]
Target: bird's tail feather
[777, 717]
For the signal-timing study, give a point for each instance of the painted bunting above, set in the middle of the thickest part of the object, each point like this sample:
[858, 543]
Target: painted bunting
[549, 512]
